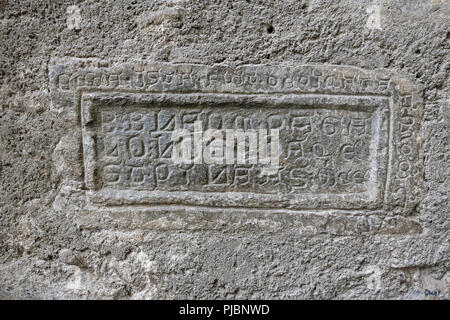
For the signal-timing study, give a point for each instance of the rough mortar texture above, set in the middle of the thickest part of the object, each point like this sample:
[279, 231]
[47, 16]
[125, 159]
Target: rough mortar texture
[60, 240]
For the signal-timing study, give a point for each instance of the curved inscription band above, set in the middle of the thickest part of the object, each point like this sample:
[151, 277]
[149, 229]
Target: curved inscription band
[349, 138]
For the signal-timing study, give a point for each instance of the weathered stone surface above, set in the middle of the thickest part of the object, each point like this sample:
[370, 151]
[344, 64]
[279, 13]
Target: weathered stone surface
[92, 206]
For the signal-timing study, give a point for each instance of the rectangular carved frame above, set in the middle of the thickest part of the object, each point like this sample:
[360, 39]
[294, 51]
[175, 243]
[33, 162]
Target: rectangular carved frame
[73, 82]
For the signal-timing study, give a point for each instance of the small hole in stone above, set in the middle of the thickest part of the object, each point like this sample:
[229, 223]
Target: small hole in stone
[270, 29]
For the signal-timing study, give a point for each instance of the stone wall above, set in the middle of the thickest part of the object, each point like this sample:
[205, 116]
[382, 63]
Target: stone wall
[91, 207]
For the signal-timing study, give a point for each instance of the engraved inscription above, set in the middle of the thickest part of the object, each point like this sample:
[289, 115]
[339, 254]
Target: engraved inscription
[322, 150]
[325, 147]
[348, 138]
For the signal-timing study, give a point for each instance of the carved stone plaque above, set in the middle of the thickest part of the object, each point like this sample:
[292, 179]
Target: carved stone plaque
[348, 138]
